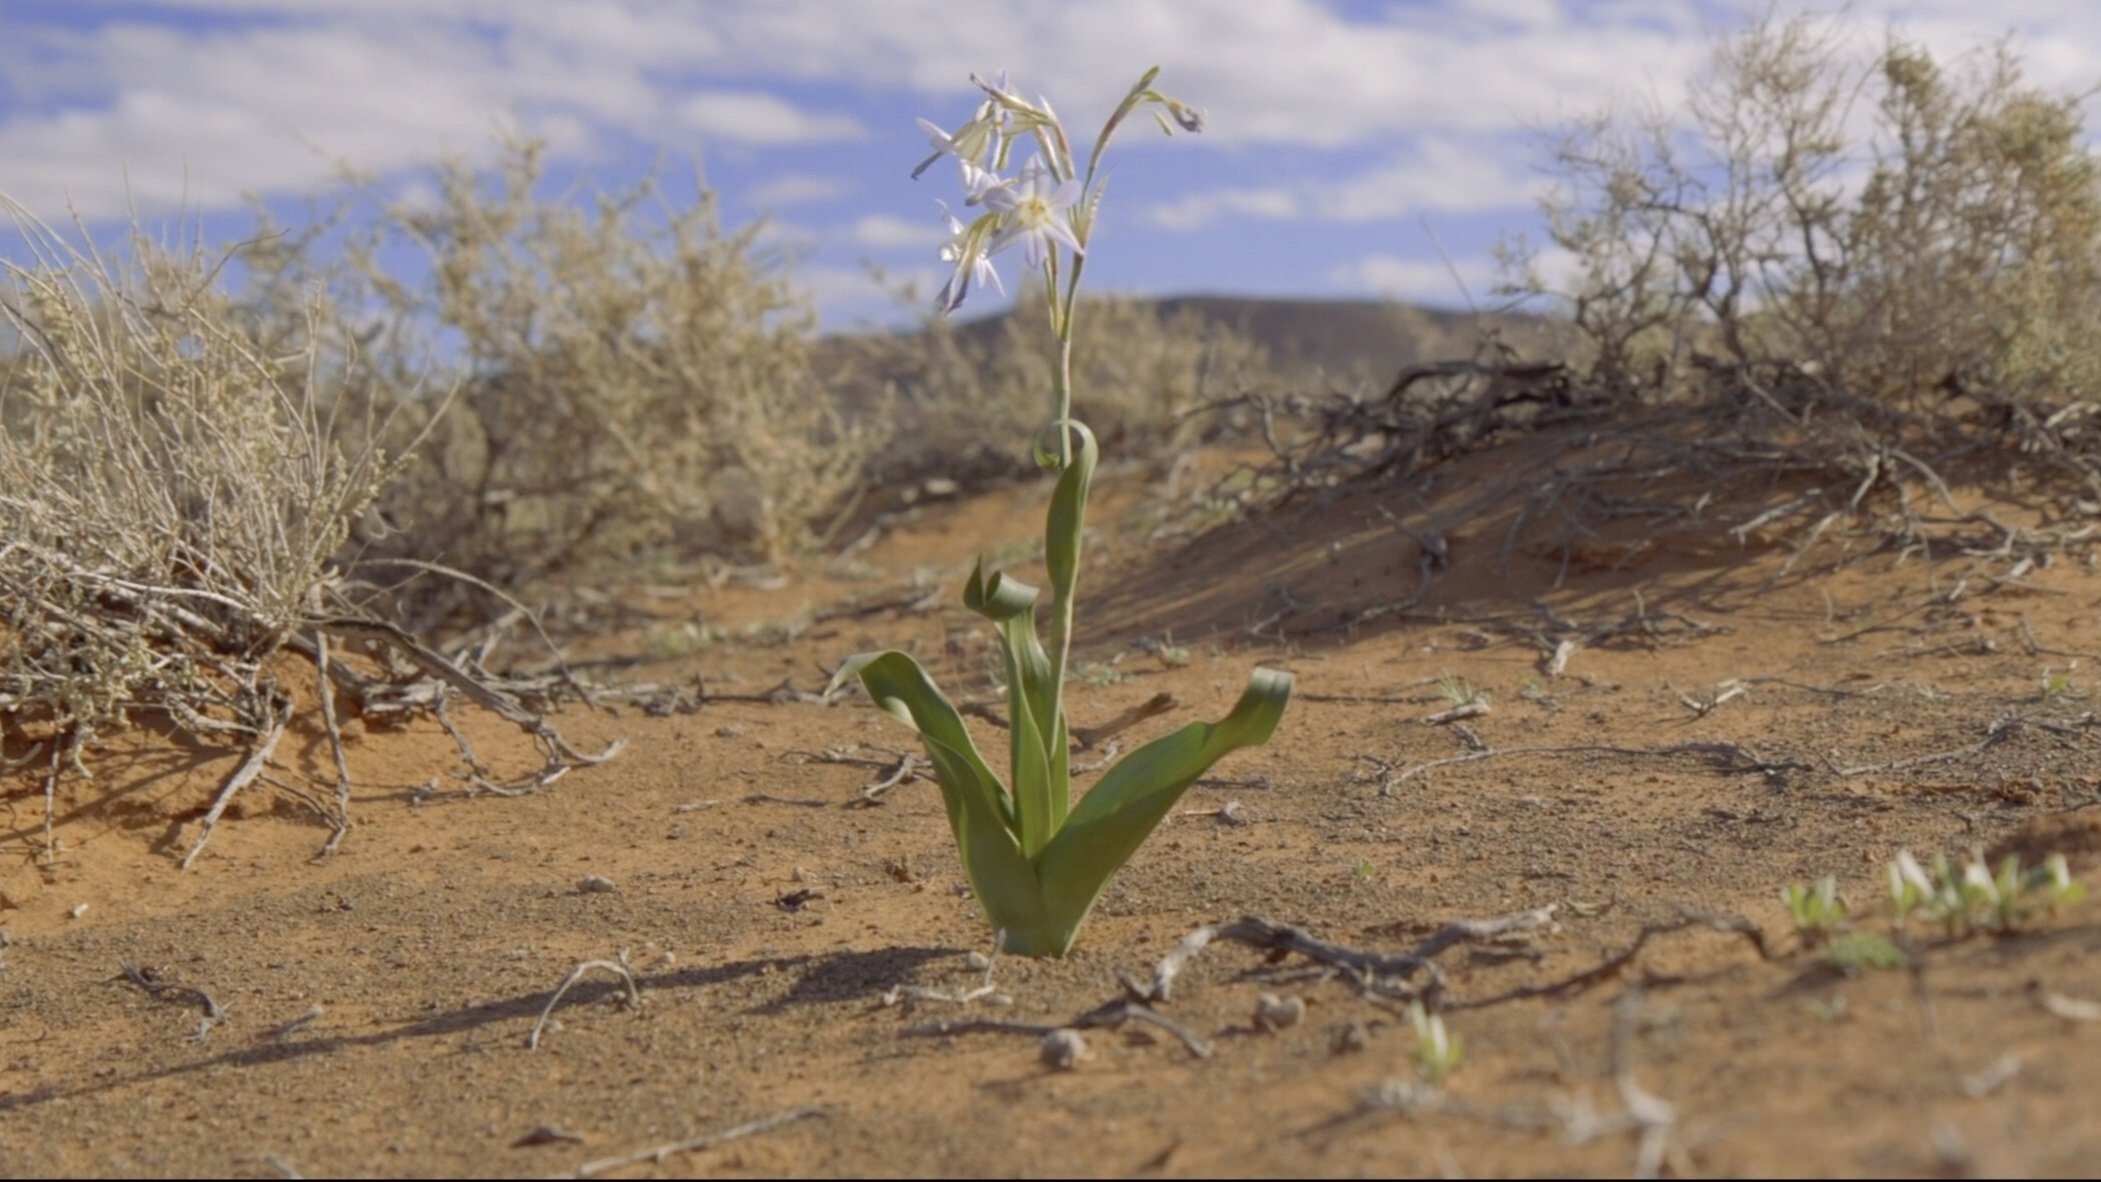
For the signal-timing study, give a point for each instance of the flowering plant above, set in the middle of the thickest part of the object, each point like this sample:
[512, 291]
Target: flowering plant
[1036, 860]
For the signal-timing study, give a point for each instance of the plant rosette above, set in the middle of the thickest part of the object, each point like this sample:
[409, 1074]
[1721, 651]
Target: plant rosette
[1036, 860]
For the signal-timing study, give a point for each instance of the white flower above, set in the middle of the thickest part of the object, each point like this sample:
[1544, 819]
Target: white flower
[1032, 209]
[966, 251]
[977, 182]
[974, 142]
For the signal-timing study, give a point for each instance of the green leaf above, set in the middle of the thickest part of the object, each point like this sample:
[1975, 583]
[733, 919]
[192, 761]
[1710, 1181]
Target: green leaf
[978, 810]
[1121, 811]
[1061, 554]
[1068, 510]
[1039, 779]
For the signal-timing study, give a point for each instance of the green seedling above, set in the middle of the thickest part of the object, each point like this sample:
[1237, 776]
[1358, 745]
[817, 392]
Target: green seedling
[1975, 898]
[1458, 690]
[1438, 1052]
[1816, 911]
[1853, 951]
[1101, 675]
[2057, 683]
[1036, 859]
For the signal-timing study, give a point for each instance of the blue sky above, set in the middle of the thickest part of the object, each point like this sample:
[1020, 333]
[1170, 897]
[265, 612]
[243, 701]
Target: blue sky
[1341, 137]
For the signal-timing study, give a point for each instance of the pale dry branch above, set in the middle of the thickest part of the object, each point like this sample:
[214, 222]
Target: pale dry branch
[614, 967]
[1725, 757]
[245, 774]
[657, 1154]
[1999, 731]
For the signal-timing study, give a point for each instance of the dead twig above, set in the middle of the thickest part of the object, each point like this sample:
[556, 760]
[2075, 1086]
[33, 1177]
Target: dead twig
[1153, 707]
[160, 990]
[657, 1153]
[899, 767]
[327, 694]
[251, 767]
[1726, 757]
[2000, 730]
[560, 755]
[1609, 967]
[616, 968]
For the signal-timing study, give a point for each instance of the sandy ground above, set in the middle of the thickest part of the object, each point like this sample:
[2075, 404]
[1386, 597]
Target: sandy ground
[377, 1004]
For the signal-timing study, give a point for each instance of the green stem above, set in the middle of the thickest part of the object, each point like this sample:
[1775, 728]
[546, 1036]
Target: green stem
[1064, 312]
[1061, 380]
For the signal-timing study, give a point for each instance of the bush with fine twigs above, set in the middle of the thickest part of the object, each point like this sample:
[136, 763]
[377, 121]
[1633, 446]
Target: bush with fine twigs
[1899, 228]
[173, 491]
[963, 393]
[629, 375]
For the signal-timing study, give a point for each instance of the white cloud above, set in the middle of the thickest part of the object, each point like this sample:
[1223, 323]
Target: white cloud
[885, 231]
[1388, 111]
[1199, 210]
[1429, 281]
[1437, 175]
[754, 117]
[855, 297]
[795, 188]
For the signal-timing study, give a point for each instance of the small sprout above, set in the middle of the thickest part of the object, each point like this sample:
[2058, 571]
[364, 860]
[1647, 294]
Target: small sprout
[2053, 880]
[1816, 911]
[1062, 1049]
[1437, 1052]
[1908, 886]
[1855, 951]
[1975, 898]
[1102, 674]
[1273, 1013]
[1831, 1009]
[1458, 690]
[2057, 683]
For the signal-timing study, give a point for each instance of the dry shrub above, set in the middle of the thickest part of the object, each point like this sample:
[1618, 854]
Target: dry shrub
[172, 491]
[1826, 291]
[629, 375]
[969, 397]
[1895, 228]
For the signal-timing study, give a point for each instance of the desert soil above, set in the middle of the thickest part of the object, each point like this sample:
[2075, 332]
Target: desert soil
[1727, 724]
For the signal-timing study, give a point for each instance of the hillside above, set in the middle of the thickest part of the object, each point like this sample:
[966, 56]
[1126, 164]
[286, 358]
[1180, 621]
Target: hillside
[1363, 341]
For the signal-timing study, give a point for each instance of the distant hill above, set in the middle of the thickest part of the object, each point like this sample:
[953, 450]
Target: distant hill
[1372, 339]
[1350, 341]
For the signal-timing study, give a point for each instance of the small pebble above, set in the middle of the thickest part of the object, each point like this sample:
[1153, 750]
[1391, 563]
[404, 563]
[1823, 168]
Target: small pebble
[79, 909]
[977, 962]
[595, 884]
[1273, 1013]
[1063, 1049]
